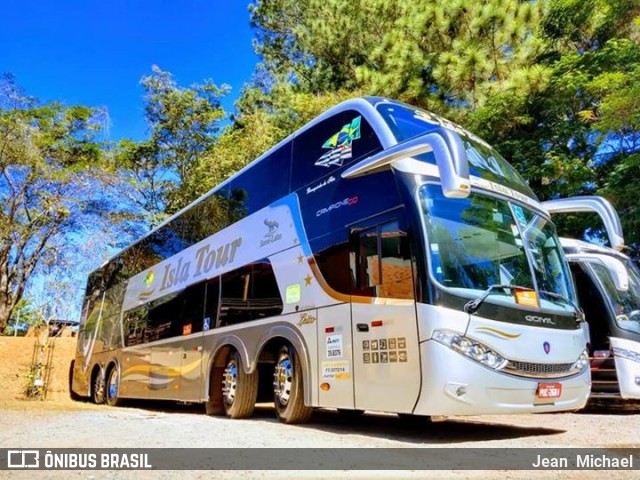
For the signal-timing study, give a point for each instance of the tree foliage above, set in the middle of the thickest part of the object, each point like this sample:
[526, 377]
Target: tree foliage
[183, 124]
[50, 169]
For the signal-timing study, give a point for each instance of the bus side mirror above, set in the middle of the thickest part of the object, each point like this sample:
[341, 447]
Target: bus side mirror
[599, 205]
[447, 149]
[617, 270]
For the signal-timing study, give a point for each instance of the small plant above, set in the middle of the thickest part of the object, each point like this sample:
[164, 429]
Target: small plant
[39, 373]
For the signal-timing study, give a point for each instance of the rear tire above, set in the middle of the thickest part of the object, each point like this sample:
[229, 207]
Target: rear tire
[288, 388]
[97, 388]
[73, 395]
[239, 389]
[112, 389]
[214, 406]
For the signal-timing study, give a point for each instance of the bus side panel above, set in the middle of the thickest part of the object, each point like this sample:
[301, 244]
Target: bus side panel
[135, 371]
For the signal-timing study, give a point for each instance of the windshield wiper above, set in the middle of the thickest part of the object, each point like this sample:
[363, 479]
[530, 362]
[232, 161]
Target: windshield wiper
[473, 305]
[579, 313]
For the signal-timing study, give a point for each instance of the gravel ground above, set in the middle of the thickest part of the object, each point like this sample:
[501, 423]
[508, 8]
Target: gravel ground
[60, 423]
[72, 425]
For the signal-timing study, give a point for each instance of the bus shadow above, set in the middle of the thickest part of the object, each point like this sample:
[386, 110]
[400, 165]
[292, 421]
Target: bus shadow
[385, 426]
[416, 430]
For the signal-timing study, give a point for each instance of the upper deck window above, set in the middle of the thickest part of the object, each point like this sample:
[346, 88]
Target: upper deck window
[331, 144]
[407, 122]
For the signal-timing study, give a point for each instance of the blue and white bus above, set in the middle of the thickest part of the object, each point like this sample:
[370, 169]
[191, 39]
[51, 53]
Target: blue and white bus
[380, 258]
[608, 288]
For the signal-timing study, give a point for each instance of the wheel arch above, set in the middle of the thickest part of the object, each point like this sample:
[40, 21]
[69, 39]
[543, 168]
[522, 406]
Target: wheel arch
[283, 334]
[217, 358]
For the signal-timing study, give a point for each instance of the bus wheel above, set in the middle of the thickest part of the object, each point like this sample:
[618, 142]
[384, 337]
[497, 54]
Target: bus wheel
[112, 393]
[239, 389]
[73, 395]
[288, 388]
[97, 388]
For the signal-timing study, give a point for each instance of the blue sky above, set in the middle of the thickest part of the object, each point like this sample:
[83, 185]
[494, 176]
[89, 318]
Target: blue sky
[94, 53]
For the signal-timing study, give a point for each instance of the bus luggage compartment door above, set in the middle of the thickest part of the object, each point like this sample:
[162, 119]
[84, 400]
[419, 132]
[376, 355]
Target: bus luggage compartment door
[335, 357]
[626, 354]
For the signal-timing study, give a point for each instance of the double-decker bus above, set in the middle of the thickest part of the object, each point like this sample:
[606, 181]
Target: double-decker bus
[608, 288]
[380, 258]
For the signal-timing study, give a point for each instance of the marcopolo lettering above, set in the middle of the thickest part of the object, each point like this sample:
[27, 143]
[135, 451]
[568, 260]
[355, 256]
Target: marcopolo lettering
[348, 202]
[537, 319]
[207, 258]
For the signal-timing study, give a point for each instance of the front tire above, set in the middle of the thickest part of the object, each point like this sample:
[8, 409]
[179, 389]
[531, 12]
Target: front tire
[239, 389]
[112, 390]
[288, 388]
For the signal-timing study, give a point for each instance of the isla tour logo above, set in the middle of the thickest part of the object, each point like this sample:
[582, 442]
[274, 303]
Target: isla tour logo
[147, 282]
[23, 459]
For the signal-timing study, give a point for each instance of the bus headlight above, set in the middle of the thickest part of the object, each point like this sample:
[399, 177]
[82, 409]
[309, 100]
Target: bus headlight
[471, 348]
[583, 361]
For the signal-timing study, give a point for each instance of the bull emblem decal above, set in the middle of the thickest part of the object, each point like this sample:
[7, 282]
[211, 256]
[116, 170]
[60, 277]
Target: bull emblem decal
[273, 226]
[272, 235]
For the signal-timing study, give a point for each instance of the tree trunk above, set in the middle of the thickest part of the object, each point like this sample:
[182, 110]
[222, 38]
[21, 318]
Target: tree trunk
[5, 314]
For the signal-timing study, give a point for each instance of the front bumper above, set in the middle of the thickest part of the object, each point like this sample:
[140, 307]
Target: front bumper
[453, 384]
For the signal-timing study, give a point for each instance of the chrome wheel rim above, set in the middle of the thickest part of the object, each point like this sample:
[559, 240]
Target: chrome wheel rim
[230, 382]
[112, 389]
[283, 379]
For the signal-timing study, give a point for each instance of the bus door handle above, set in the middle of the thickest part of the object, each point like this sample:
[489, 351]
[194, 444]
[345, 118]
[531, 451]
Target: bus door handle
[362, 327]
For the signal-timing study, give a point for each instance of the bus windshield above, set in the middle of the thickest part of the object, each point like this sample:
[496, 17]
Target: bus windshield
[483, 240]
[407, 122]
[626, 304]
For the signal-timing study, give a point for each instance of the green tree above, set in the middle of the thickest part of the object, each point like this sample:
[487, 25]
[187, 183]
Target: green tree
[183, 124]
[51, 166]
[434, 54]
[575, 130]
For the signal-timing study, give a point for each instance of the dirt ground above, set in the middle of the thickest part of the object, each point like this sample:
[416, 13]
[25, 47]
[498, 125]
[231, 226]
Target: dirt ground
[16, 354]
[58, 422]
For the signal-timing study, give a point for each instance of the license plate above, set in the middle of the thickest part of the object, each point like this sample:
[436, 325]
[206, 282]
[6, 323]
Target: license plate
[549, 390]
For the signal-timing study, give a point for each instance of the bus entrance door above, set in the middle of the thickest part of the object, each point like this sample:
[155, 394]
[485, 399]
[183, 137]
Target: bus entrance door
[386, 357]
[386, 363]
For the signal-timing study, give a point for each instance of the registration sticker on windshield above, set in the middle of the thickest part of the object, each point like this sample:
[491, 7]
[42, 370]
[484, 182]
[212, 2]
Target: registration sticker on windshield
[549, 390]
[528, 298]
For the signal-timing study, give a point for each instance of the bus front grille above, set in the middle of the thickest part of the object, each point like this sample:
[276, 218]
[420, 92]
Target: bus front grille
[540, 370]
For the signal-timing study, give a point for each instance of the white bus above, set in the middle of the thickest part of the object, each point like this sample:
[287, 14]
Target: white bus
[380, 258]
[608, 288]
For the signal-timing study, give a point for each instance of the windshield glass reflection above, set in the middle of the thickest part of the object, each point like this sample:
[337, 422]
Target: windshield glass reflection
[477, 242]
[625, 304]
